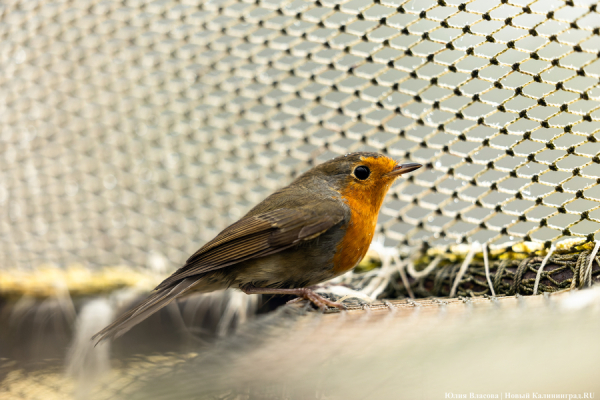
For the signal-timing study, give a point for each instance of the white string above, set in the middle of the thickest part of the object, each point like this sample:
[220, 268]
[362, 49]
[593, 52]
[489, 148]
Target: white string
[463, 269]
[592, 256]
[410, 268]
[379, 277]
[486, 264]
[390, 263]
[401, 266]
[539, 272]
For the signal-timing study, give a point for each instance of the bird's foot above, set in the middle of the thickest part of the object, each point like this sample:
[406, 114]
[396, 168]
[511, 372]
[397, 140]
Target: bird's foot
[321, 302]
[302, 293]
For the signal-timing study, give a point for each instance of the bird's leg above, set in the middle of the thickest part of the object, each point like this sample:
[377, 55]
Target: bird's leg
[304, 293]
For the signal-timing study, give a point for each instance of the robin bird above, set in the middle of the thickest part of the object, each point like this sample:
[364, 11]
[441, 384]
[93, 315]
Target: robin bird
[315, 229]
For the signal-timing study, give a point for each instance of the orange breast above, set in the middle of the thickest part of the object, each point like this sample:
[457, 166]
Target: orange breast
[359, 233]
[364, 199]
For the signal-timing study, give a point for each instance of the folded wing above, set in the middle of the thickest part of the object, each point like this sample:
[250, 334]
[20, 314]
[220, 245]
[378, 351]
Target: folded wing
[251, 237]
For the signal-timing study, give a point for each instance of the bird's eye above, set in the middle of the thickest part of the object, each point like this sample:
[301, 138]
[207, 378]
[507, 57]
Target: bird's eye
[362, 172]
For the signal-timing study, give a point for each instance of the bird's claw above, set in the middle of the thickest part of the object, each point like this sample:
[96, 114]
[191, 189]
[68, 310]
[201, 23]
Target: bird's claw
[321, 302]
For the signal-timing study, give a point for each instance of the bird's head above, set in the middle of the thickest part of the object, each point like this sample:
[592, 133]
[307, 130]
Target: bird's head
[362, 176]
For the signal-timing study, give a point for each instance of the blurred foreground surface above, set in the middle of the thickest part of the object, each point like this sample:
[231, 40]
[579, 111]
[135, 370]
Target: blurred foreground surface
[424, 349]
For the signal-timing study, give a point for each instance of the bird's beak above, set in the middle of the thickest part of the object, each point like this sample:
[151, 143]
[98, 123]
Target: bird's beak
[404, 168]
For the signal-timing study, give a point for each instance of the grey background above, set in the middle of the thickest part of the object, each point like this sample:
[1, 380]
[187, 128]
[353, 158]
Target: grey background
[131, 132]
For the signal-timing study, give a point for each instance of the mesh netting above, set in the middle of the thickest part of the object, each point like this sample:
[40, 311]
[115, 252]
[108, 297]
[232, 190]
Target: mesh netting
[511, 275]
[133, 131]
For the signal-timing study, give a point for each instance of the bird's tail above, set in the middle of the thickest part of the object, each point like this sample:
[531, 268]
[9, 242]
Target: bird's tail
[157, 300]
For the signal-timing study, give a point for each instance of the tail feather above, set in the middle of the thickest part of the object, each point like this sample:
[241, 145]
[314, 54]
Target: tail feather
[149, 306]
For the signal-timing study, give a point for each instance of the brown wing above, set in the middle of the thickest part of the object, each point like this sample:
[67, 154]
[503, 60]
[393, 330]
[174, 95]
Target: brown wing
[258, 236]
[254, 236]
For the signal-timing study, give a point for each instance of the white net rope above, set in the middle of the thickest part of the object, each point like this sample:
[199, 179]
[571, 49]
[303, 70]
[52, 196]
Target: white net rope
[131, 132]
